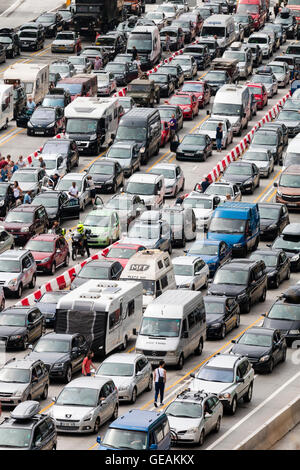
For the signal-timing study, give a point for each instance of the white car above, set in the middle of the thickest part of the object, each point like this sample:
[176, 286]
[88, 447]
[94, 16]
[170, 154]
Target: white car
[262, 158]
[190, 272]
[131, 373]
[225, 191]
[169, 10]
[174, 178]
[106, 83]
[55, 163]
[209, 128]
[263, 40]
[85, 404]
[158, 17]
[203, 206]
[81, 183]
[81, 63]
[228, 376]
[193, 415]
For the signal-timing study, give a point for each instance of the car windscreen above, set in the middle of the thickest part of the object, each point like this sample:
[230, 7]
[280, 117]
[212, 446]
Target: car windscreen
[97, 221]
[265, 138]
[28, 34]
[14, 375]
[283, 311]
[227, 109]
[12, 320]
[231, 277]
[52, 147]
[54, 102]
[253, 339]
[168, 327]
[52, 345]
[73, 88]
[76, 396]
[101, 169]
[215, 374]
[193, 88]
[180, 409]
[213, 31]
[94, 272]
[277, 68]
[269, 260]
[198, 203]
[198, 249]
[77, 60]
[119, 152]
[24, 177]
[290, 181]
[81, 126]
[220, 190]
[199, 140]
[118, 369]
[50, 202]
[44, 114]
[121, 204]
[213, 307]
[138, 134]
[142, 42]
[167, 173]
[220, 225]
[125, 439]
[182, 270]
[159, 78]
[269, 213]
[140, 188]
[121, 253]
[65, 184]
[244, 170]
[240, 56]
[258, 40]
[259, 156]
[14, 437]
[115, 67]
[59, 68]
[19, 217]
[183, 100]
[144, 231]
[289, 116]
[40, 245]
[9, 266]
[215, 76]
[286, 244]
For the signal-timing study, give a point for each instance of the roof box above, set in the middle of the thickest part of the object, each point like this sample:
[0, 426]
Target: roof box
[26, 410]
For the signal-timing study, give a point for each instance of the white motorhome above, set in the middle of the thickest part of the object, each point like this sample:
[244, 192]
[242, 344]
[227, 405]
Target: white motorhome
[146, 39]
[34, 78]
[221, 26]
[92, 122]
[173, 327]
[234, 103]
[154, 269]
[7, 105]
[105, 312]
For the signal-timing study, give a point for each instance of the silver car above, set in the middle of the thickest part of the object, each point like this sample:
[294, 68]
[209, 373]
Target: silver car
[80, 179]
[131, 373]
[193, 415]
[229, 377]
[81, 63]
[190, 272]
[174, 178]
[7, 241]
[17, 271]
[188, 65]
[85, 404]
[262, 158]
[281, 72]
[209, 128]
[29, 179]
[22, 380]
[225, 191]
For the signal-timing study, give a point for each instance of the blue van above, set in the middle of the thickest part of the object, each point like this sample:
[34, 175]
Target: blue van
[237, 224]
[137, 430]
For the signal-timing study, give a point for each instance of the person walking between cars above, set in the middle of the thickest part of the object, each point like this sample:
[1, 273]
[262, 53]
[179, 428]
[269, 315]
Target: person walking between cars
[17, 193]
[87, 364]
[97, 63]
[168, 44]
[27, 198]
[160, 378]
[134, 53]
[173, 129]
[219, 136]
[205, 183]
[92, 189]
[276, 9]
[30, 105]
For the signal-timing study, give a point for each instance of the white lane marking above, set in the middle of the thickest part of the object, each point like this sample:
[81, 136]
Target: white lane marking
[262, 404]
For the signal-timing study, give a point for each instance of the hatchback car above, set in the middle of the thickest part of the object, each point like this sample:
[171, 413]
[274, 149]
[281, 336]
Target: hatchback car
[47, 305]
[281, 72]
[131, 373]
[107, 175]
[198, 88]
[273, 218]
[67, 148]
[57, 205]
[128, 207]
[195, 147]
[264, 347]
[29, 179]
[262, 158]
[20, 326]
[28, 429]
[85, 404]
[245, 175]
[222, 315]
[30, 39]
[104, 227]
[228, 376]
[268, 139]
[25, 221]
[291, 118]
[84, 196]
[202, 206]
[22, 380]
[127, 155]
[66, 41]
[224, 190]
[191, 272]
[46, 121]
[277, 266]
[214, 253]
[188, 104]
[165, 83]
[209, 127]
[268, 80]
[97, 269]
[175, 71]
[121, 252]
[124, 73]
[173, 175]
[52, 22]
[242, 279]
[81, 64]
[153, 234]
[50, 251]
[188, 65]
[260, 94]
[17, 271]
[62, 354]
[193, 415]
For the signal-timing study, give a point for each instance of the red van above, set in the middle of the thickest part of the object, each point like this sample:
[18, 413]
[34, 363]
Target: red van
[258, 9]
[80, 85]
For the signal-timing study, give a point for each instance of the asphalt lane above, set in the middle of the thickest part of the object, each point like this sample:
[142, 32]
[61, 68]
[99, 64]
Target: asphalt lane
[15, 141]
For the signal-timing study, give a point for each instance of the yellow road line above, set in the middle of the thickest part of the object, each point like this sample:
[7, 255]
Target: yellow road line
[93, 161]
[26, 60]
[268, 186]
[12, 137]
[271, 196]
[47, 407]
[8, 132]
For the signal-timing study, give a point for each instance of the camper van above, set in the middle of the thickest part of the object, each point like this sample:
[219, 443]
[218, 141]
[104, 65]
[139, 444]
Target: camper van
[92, 122]
[154, 269]
[7, 105]
[173, 327]
[106, 313]
[146, 39]
[221, 26]
[34, 78]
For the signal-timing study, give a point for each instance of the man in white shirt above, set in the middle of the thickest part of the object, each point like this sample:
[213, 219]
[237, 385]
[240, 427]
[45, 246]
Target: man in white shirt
[160, 377]
[30, 104]
[73, 190]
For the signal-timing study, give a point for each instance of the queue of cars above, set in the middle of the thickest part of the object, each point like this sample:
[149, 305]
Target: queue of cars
[233, 231]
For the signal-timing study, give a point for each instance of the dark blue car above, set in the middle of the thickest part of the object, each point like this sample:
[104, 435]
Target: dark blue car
[47, 305]
[213, 252]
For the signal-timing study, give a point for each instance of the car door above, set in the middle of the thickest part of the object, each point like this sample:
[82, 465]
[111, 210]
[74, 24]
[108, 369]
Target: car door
[208, 412]
[146, 372]
[106, 403]
[139, 376]
[70, 208]
[229, 317]
[200, 275]
[241, 379]
[26, 277]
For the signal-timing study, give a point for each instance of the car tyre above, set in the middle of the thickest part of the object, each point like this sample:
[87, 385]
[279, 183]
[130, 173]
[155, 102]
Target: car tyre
[115, 414]
[271, 366]
[133, 396]
[238, 320]
[199, 349]
[247, 307]
[201, 438]
[233, 406]
[25, 341]
[248, 397]
[68, 375]
[19, 291]
[263, 295]
[67, 260]
[96, 426]
[276, 282]
[218, 425]
[223, 332]
[33, 282]
[150, 384]
[44, 395]
[53, 269]
[288, 274]
[283, 359]
[180, 362]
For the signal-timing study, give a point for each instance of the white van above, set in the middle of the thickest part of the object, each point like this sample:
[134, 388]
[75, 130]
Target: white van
[221, 26]
[154, 269]
[173, 327]
[7, 105]
[234, 103]
[106, 313]
[146, 39]
[150, 187]
[292, 155]
[34, 78]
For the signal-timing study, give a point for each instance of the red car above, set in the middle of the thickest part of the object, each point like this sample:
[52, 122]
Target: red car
[49, 251]
[260, 94]
[200, 89]
[165, 133]
[121, 252]
[187, 102]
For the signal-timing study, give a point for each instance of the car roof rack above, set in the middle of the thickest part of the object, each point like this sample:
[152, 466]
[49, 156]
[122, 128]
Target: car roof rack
[26, 410]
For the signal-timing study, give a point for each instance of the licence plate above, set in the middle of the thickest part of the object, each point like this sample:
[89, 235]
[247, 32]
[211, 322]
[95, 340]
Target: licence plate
[5, 399]
[67, 424]
[39, 132]
[292, 204]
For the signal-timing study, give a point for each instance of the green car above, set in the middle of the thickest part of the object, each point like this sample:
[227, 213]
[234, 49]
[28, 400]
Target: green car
[104, 225]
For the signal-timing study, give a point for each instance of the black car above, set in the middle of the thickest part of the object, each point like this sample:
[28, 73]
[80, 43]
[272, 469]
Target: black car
[97, 269]
[281, 127]
[31, 40]
[65, 147]
[57, 98]
[107, 175]
[264, 347]
[222, 315]
[62, 354]
[166, 112]
[112, 43]
[33, 25]
[291, 118]
[246, 21]
[289, 23]
[244, 174]
[284, 315]
[243, 280]
[165, 83]
[213, 47]
[291, 246]
[277, 266]
[127, 154]
[201, 54]
[217, 78]
[7, 200]
[28, 429]
[47, 305]
[193, 147]
[124, 73]
[175, 71]
[52, 22]
[10, 41]
[46, 121]
[57, 205]
[270, 139]
[20, 326]
[67, 16]
[273, 218]
[176, 36]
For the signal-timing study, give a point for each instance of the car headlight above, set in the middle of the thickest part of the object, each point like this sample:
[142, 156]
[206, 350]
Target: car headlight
[264, 358]
[139, 351]
[294, 332]
[216, 325]
[2, 203]
[29, 124]
[272, 273]
[171, 353]
[13, 282]
[224, 395]
[15, 337]
[272, 227]
[58, 365]
[279, 193]
[185, 286]
[238, 245]
[122, 388]
[241, 296]
[142, 149]
[25, 229]
[93, 137]
[192, 430]
[45, 260]
[295, 258]
[87, 418]
[52, 124]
